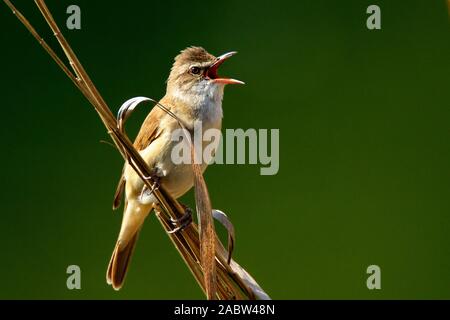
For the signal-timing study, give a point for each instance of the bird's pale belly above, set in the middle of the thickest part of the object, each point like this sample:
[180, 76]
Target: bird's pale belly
[180, 180]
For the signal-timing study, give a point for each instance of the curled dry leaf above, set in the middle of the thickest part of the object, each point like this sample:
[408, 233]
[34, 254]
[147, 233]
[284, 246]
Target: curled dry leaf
[126, 109]
[223, 219]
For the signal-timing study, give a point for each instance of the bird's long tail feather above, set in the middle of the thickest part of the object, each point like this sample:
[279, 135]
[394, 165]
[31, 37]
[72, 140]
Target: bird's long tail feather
[120, 260]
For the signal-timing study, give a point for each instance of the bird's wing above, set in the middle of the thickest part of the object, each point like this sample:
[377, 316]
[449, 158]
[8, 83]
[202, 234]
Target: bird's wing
[150, 130]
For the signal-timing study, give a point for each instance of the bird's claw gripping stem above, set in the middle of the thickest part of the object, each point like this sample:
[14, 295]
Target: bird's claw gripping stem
[155, 186]
[181, 223]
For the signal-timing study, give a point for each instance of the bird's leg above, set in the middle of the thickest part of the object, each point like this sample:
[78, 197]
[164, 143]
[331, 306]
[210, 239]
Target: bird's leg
[183, 222]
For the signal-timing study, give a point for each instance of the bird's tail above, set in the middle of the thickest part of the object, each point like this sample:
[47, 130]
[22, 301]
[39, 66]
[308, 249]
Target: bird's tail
[120, 260]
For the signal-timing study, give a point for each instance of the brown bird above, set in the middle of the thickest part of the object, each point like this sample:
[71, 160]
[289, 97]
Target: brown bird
[194, 94]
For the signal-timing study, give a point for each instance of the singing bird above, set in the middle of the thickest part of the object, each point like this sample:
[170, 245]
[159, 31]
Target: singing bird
[194, 95]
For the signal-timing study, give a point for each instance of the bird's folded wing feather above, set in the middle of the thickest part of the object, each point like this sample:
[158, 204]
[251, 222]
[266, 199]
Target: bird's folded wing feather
[150, 130]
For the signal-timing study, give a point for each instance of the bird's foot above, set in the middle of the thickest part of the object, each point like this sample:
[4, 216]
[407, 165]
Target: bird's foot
[181, 223]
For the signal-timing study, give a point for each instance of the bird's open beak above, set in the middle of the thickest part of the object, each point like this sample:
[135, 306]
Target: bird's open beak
[212, 70]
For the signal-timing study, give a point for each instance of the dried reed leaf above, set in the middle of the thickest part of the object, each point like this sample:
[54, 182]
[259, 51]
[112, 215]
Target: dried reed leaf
[256, 291]
[207, 231]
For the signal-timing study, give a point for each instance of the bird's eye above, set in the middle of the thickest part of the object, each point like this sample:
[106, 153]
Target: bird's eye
[194, 70]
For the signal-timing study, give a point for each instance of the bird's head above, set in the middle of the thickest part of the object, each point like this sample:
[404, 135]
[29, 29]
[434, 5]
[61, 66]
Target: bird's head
[195, 72]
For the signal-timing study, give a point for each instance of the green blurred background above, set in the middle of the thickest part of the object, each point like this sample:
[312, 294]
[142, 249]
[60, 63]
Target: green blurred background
[364, 147]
